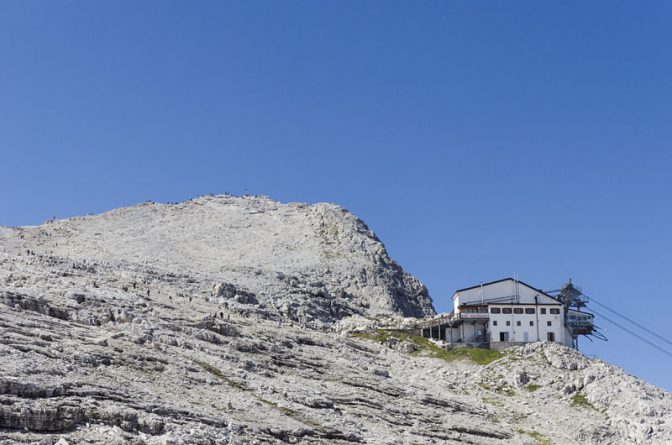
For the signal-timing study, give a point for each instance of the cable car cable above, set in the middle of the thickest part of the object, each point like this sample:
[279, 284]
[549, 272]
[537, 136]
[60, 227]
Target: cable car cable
[660, 337]
[663, 350]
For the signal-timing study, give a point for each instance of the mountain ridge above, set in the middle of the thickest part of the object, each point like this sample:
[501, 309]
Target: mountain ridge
[231, 236]
[238, 320]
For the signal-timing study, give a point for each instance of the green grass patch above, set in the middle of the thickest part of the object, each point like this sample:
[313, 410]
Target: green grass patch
[477, 355]
[284, 410]
[427, 348]
[379, 336]
[289, 412]
[505, 391]
[532, 387]
[580, 401]
[220, 375]
[492, 401]
[538, 437]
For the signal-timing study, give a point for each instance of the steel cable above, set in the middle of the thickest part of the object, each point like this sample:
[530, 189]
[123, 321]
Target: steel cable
[644, 328]
[650, 343]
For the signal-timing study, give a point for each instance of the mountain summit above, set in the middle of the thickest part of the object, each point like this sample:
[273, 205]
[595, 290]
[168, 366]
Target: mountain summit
[304, 262]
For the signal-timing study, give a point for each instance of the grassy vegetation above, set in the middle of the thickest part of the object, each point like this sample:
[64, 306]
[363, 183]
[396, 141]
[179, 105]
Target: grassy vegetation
[505, 391]
[538, 437]
[580, 401]
[492, 401]
[378, 336]
[532, 387]
[284, 410]
[426, 347]
[220, 375]
[477, 355]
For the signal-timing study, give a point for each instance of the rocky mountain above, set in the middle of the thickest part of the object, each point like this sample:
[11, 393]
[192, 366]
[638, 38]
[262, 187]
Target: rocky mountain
[309, 263]
[239, 320]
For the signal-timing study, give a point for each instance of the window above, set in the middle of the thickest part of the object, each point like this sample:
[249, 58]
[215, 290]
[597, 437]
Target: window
[494, 322]
[555, 311]
[518, 310]
[508, 323]
[495, 310]
[548, 323]
[506, 310]
[531, 323]
[518, 323]
[542, 311]
[529, 310]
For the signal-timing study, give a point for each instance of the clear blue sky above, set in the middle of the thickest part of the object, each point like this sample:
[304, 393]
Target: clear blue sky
[477, 139]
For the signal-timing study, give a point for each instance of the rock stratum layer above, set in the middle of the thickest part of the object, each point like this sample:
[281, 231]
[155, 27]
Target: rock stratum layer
[227, 320]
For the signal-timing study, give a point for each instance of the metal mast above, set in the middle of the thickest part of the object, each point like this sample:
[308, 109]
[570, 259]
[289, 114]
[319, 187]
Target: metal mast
[572, 298]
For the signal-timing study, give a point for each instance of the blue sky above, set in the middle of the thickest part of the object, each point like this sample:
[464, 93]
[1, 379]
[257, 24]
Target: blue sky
[477, 139]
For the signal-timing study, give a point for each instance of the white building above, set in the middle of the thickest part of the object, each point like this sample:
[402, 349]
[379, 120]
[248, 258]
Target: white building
[509, 311]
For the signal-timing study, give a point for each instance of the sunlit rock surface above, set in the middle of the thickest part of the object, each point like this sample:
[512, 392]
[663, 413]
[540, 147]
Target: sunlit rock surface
[234, 320]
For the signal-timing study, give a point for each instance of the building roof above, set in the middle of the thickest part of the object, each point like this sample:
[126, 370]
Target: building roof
[502, 280]
[509, 303]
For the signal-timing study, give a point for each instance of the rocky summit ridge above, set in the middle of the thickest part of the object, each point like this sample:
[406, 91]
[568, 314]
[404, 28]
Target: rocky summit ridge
[308, 263]
[240, 320]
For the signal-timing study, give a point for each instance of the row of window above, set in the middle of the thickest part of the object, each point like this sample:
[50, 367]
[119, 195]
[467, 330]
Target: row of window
[519, 310]
[508, 323]
[504, 336]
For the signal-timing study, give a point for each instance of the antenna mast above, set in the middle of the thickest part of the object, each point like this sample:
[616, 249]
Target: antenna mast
[573, 299]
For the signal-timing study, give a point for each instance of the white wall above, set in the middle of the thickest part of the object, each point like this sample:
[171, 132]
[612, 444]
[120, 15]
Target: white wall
[455, 332]
[506, 290]
[539, 329]
[467, 332]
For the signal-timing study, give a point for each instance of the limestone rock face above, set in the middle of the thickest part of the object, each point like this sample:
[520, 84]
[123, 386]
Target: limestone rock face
[309, 263]
[234, 321]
